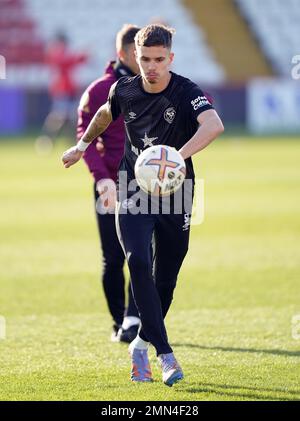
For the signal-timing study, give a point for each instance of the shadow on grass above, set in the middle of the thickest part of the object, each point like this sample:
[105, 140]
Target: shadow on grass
[282, 352]
[261, 393]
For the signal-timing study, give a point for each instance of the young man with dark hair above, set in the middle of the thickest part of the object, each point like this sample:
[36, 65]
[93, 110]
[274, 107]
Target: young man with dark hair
[160, 107]
[103, 158]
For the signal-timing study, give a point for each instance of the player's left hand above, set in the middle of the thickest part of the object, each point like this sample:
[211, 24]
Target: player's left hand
[71, 156]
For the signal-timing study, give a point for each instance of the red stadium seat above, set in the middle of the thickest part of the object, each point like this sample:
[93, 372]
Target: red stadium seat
[19, 43]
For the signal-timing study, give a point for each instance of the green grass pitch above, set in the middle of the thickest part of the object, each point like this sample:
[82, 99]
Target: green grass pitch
[231, 320]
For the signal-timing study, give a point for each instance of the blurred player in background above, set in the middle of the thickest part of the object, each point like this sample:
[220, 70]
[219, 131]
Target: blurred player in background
[63, 91]
[103, 158]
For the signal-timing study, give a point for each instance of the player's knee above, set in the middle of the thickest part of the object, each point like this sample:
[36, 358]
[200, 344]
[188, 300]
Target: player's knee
[166, 284]
[178, 255]
[112, 269]
[139, 264]
[111, 261]
[185, 248]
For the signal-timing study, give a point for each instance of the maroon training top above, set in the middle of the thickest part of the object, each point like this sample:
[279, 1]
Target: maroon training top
[114, 137]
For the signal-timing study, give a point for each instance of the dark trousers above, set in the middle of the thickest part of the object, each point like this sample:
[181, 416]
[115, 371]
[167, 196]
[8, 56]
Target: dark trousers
[153, 270]
[113, 258]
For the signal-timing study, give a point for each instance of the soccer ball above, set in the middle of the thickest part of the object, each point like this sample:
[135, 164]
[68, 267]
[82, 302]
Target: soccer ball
[160, 170]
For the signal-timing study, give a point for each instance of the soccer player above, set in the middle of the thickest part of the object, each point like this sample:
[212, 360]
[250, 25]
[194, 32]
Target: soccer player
[63, 90]
[160, 107]
[103, 158]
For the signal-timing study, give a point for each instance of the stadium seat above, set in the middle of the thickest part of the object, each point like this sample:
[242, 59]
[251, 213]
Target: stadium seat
[276, 26]
[91, 27]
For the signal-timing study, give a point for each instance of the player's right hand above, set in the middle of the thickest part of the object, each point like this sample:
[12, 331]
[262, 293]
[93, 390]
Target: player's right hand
[71, 156]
